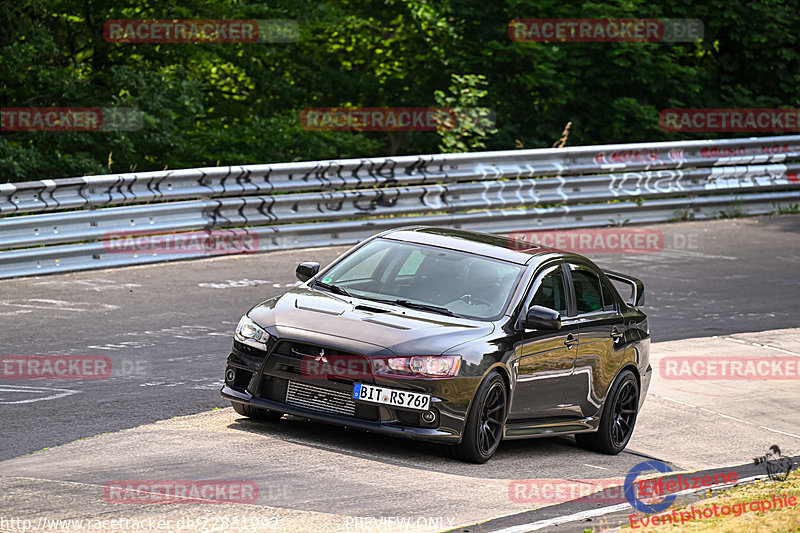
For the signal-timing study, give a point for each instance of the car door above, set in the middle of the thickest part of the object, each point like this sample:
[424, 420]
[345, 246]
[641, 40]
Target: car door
[600, 349]
[544, 359]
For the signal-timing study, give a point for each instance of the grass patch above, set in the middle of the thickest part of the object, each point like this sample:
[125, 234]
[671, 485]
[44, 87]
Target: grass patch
[792, 209]
[735, 210]
[682, 215]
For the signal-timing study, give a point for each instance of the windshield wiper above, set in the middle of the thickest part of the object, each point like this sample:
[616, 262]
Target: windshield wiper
[402, 303]
[333, 288]
[424, 307]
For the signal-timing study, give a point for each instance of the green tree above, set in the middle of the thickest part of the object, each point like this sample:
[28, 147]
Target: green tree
[239, 103]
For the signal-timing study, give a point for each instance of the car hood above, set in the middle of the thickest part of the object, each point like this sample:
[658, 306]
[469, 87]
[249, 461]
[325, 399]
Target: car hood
[360, 326]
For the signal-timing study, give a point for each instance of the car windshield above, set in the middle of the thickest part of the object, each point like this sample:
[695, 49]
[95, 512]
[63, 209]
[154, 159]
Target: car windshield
[424, 277]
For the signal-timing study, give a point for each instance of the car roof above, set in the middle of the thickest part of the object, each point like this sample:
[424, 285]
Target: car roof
[486, 244]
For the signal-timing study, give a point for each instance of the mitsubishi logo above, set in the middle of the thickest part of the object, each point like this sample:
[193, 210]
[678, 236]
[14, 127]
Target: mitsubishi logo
[318, 358]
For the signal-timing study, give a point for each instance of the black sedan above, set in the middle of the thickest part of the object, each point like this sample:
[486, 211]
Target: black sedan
[452, 336]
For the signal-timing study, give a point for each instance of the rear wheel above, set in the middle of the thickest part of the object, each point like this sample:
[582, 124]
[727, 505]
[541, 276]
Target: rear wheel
[484, 428]
[255, 412]
[619, 418]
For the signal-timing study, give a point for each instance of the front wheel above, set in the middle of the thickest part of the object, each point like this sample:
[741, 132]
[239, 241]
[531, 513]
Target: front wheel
[619, 418]
[255, 412]
[484, 428]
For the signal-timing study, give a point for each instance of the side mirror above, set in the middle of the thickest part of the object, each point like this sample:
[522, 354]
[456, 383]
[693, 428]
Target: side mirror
[540, 317]
[307, 270]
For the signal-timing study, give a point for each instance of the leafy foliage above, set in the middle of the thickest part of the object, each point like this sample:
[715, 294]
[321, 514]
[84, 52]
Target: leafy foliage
[209, 104]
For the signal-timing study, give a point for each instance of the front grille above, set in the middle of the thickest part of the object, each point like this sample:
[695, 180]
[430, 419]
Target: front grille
[300, 359]
[298, 350]
[320, 399]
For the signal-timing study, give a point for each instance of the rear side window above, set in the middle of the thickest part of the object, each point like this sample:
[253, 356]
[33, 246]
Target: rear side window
[609, 304]
[591, 294]
[588, 297]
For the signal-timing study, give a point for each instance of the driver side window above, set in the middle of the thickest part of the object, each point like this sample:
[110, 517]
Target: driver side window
[552, 292]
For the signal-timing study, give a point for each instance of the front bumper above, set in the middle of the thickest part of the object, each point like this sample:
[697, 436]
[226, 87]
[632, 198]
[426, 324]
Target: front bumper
[387, 428]
[261, 379]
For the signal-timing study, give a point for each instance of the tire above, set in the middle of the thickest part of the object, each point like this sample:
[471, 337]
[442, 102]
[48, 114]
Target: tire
[484, 428]
[618, 420]
[255, 412]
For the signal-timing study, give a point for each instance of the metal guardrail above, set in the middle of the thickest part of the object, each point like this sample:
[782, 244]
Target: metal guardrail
[64, 225]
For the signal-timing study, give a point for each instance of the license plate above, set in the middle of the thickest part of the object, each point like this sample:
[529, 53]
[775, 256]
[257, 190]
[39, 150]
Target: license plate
[393, 397]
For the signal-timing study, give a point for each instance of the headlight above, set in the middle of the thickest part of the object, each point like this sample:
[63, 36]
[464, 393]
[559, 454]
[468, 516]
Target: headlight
[249, 330]
[420, 366]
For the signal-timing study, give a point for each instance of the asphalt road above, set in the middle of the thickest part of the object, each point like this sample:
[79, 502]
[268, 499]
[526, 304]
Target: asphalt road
[167, 327]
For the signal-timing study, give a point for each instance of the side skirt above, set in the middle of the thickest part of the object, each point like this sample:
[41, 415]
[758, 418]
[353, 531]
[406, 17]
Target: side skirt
[551, 428]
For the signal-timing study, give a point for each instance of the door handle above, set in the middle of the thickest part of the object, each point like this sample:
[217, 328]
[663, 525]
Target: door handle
[616, 334]
[570, 342]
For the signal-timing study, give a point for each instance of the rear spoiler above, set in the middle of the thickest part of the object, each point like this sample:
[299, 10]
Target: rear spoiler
[636, 298]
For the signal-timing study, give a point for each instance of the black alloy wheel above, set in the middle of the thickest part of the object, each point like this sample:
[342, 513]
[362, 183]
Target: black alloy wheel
[619, 417]
[624, 414]
[487, 416]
